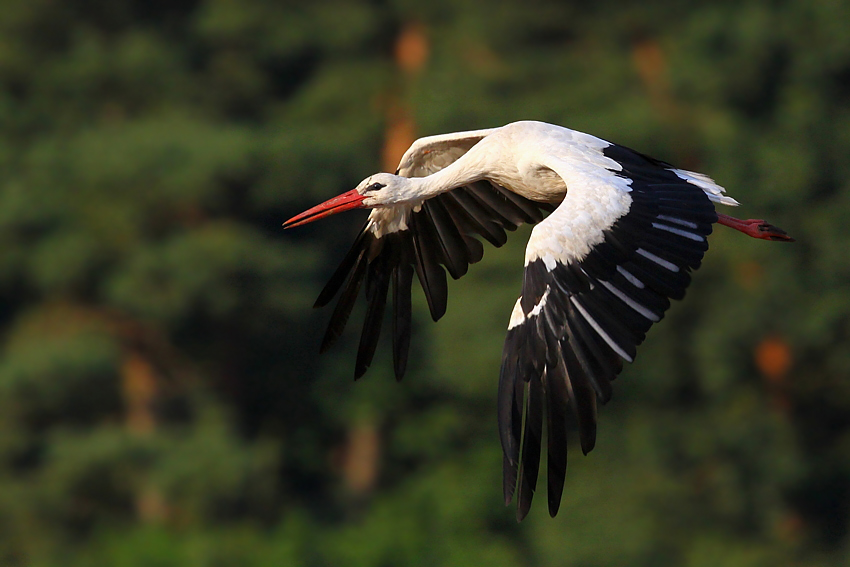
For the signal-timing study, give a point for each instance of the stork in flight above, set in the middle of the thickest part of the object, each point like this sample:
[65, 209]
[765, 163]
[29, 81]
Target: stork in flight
[624, 232]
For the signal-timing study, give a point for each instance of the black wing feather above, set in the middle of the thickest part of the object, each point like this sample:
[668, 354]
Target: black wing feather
[496, 205]
[557, 400]
[531, 442]
[465, 225]
[442, 235]
[583, 400]
[402, 309]
[531, 212]
[591, 314]
[343, 308]
[431, 274]
[482, 218]
[451, 242]
[510, 418]
[377, 286]
[343, 270]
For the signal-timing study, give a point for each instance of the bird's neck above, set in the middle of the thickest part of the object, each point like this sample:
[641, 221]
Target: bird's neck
[462, 172]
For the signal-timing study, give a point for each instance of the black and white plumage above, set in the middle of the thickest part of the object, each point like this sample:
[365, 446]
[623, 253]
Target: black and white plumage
[624, 232]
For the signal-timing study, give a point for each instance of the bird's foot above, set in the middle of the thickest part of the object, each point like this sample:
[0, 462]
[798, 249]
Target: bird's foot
[757, 228]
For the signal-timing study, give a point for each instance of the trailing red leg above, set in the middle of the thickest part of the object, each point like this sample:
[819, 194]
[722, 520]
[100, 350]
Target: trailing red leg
[756, 228]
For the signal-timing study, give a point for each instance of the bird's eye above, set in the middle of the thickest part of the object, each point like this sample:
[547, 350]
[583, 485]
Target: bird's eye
[375, 186]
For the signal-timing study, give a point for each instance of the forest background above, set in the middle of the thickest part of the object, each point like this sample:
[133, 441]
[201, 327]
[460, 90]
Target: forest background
[162, 401]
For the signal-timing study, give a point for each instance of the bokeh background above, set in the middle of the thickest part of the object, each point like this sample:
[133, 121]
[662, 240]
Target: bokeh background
[162, 401]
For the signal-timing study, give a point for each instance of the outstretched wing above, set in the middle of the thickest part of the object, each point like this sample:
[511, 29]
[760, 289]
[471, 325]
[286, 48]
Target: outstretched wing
[599, 271]
[438, 236]
[432, 153]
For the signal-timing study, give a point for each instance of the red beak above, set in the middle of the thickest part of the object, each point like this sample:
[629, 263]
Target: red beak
[347, 201]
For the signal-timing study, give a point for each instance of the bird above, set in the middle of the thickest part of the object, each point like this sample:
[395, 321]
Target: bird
[616, 235]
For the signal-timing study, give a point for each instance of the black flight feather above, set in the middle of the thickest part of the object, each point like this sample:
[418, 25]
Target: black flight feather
[532, 211]
[343, 270]
[377, 286]
[449, 238]
[584, 401]
[480, 216]
[402, 280]
[499, 207]
[556, 426]
[431, 274]
[344, 305]
[531, 442]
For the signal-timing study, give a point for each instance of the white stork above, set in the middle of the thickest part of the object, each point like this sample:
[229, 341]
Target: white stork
[623, 234]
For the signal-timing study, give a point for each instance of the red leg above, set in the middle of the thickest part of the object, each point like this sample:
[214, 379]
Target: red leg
[756, 228]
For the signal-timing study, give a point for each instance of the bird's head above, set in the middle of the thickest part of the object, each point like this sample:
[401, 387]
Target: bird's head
[379, 190]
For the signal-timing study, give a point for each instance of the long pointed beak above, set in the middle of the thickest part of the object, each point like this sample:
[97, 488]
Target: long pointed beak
[347, 201]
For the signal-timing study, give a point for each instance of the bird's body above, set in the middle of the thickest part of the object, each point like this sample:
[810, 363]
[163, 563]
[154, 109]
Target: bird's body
[623, 234]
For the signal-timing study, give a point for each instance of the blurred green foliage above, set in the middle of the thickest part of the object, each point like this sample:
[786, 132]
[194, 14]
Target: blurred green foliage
[161, 399]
